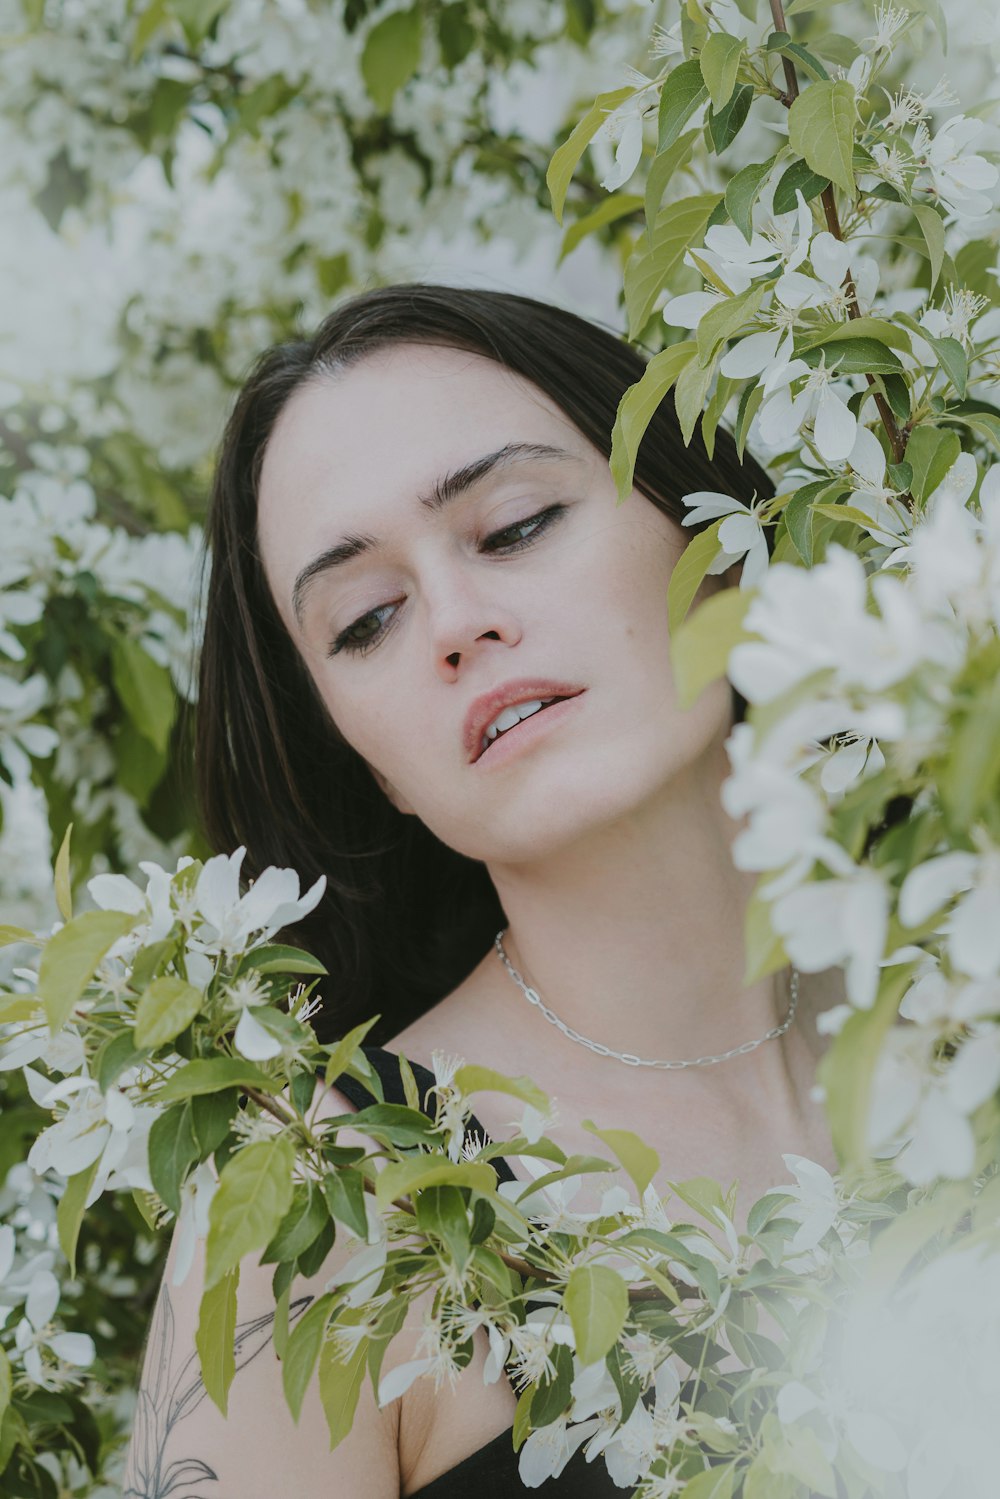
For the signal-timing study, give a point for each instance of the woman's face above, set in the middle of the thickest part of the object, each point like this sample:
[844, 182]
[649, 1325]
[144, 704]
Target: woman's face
[434, 530]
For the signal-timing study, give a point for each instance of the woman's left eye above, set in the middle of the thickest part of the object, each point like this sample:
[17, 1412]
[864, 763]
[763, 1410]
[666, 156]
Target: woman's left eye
[537, 523]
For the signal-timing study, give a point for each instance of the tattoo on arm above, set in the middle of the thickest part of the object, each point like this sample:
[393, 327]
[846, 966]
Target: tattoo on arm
[166, 1396]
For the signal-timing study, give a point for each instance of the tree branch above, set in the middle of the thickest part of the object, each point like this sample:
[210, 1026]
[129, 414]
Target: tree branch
[829, 201]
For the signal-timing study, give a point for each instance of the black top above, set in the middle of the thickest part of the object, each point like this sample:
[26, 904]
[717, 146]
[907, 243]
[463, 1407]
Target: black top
[491, 1472]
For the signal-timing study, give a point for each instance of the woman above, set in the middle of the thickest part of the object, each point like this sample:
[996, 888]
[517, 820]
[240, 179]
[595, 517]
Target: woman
[414, 530]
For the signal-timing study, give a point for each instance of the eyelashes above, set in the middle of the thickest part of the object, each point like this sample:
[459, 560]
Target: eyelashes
[358, 637]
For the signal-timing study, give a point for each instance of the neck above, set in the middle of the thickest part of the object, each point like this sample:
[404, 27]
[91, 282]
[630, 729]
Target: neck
[634, 934]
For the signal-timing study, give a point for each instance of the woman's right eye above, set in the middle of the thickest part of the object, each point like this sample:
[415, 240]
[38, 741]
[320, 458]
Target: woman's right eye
[359, 637]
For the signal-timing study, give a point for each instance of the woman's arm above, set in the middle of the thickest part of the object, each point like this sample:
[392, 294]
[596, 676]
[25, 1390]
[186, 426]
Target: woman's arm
[182, 1445]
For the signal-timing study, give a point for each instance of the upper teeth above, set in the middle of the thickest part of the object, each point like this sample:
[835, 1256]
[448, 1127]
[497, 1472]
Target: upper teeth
[510, 716]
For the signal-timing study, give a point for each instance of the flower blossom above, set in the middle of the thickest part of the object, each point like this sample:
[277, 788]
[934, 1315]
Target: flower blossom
[740, 535]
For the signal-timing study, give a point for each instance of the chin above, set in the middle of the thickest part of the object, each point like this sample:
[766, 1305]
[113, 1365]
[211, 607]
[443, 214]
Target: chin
[547, 815]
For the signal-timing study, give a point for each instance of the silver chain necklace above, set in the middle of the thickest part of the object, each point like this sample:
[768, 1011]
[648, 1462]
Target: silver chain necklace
[599, 1049]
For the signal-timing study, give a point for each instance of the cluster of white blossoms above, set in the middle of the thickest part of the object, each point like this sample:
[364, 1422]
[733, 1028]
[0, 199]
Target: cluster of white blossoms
[867, 666]
[42, 1352]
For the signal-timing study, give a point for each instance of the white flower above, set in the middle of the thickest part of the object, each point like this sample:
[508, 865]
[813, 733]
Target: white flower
[842, 921]
[547, 1450]
[192, 1223]
[831, 260]
[624, 126]
[741, 533]
[96, 1126]
[888, 23]
[629, 1450]
[234, 921]
[735, 262]
[782, 416]
[961, 181]
[924, 1105]
[971, 926]
[816, 1206]
[35, 1334]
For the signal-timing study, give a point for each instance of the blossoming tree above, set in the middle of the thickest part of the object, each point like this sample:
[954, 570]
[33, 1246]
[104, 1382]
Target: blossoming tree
[810, 259]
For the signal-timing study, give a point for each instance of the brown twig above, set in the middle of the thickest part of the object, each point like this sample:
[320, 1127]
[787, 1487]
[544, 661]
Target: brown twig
[266, 1102]
[829, 201]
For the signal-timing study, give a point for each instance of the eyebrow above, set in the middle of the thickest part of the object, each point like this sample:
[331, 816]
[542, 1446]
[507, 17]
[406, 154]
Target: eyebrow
[449, 487]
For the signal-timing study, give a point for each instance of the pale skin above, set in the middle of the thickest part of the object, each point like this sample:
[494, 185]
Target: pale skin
[604, 835]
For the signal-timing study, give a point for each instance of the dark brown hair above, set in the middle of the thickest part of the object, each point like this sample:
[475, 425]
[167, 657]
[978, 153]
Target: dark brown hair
[404, 917]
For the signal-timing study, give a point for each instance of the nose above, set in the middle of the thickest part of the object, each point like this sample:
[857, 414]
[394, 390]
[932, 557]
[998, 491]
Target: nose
[464, 624]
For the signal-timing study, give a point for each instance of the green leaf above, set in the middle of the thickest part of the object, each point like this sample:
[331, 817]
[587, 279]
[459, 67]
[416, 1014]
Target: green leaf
[712, 1483]
[522, 1417]
[339, 1388]
[969, 779]
[701, 647]
[608, 212]
[168, 1007]
[172, 1149]
[953, 360]
[847, 1069]
[411, 1091]
[552, 1396]
[726, 318]
[799, 177]
[982, 423]
[636, 409]
[879, 329]
[780, 41]
[391, 56]
[596, 1301]
[215, 1335]
[15, 1007]
[63, 878]
[212, 1075]
[701, 1193]
[145, 689]
[657, 254]
[639, 1159]
[441, 1211]
[724, 125]
[344, 1191]
[854, 356]
[930, 452]
[471, 1079]
[197, 17]
[665, 164]
[114, 1056]
[690, 571]
[344, 1050]
[12, 934]
[6, 1383]
[70, 959]
[566, 159]
[742, 193]
[932, 228]
[69, 1214]
[211, 1116]
[689, 396]
[720, 63]
[153, 19]
[305, 1219]
[821, 130]
[277, 958]
[302, 1351]
[253, 1195]
[683, 91]
[401, 1178]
